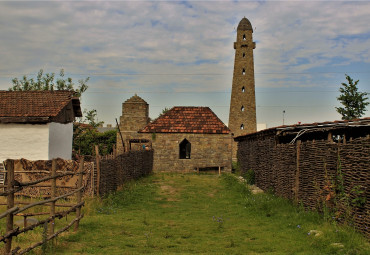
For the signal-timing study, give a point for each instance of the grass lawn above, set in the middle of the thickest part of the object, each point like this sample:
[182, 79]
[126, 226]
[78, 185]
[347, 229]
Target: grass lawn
[169, 213]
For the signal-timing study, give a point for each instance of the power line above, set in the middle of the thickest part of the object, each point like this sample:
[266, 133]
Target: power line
[184, 74]
[224, 106]
[209, 92]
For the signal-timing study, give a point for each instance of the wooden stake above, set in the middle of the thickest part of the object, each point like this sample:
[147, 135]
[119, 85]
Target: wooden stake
[79, 194]
[97, 170]
[93, 181]
[330, 137]
[296, 184]
[10, 204]
[53, 190]
[219, 170]
[114, 151]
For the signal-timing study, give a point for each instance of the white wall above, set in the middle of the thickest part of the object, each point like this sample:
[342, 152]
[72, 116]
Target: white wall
[60, 140]
[24, 141]
[261, 126]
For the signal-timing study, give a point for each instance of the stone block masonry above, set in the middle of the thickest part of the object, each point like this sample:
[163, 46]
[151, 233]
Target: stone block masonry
[207, 150]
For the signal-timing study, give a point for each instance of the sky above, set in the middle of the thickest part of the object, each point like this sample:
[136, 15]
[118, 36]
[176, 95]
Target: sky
[180, 53]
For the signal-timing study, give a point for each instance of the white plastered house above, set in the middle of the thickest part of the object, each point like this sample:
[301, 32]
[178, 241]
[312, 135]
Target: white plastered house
[37, 125]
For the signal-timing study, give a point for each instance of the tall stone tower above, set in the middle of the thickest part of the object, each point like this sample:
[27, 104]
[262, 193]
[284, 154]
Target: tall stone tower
[242, 116]
[135, 116]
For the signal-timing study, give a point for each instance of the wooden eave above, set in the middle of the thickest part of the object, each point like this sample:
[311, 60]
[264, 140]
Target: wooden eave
[25, 120]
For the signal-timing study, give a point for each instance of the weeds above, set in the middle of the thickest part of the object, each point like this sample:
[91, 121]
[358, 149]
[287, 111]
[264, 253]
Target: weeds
[220, 222]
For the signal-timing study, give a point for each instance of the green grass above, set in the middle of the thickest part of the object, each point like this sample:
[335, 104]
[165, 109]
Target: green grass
[204, 214]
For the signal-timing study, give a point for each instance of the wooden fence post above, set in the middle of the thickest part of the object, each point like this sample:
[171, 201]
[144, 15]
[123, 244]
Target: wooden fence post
[297, 173]
[93, 180]
[97, 170]
[114, 151]
[79, 194]
[52, 195]
[10, 204]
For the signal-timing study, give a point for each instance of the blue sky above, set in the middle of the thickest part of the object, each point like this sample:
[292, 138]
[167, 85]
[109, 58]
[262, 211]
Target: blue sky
[180, 53]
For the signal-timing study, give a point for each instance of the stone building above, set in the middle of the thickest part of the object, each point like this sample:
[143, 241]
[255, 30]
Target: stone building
[183, 139]
[186, 138]
[135, 116]
[242, 116]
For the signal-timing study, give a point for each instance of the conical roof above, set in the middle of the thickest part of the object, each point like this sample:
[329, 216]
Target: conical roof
[244, 25]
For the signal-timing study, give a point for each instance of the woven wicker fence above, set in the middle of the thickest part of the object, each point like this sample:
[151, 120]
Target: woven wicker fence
[307, 171]
[131, 165]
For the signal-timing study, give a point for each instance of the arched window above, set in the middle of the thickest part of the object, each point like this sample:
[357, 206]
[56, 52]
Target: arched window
[242, 126]
[243, 71]
[244, 37]
[243, 89]
[242, 108]
[185, 149]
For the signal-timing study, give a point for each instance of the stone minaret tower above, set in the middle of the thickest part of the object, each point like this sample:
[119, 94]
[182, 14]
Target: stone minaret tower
[135, 116]
[242, 117]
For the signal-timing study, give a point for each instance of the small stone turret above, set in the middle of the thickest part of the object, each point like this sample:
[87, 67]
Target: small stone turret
[135, 116]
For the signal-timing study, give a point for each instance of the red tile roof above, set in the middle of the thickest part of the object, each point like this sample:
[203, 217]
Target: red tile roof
[40, 104]
[187, 120]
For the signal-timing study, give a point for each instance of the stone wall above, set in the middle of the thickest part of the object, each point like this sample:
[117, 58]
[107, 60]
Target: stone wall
[207, 150]
[131, 165]
[305, 172]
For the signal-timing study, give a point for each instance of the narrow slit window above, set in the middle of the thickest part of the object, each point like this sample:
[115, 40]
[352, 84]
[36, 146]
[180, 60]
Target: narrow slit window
[244, 37]
[243, 89]
[242, 126]
[242, 108]
[243, 71]
[243, 55]
[185, 149]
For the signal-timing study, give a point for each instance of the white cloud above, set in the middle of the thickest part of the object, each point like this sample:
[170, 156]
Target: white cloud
[121, 38]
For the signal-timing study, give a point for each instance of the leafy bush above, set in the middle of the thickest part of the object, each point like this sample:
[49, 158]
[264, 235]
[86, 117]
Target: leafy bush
[250, 177]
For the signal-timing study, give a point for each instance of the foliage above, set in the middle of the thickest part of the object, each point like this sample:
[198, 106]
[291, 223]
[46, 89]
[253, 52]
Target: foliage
[85, 139]
[359, 199]
[334, 201]
[47, 82]
[86, 136]
[250, 177]
[235, 167]
[164, 111]
[91, 118]
[354, 102]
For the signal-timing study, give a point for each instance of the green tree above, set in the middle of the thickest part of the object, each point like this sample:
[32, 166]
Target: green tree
[48, 82]
[84, 141]
[86, 136]
[91, 118]
[164, 111]
[354, 102]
